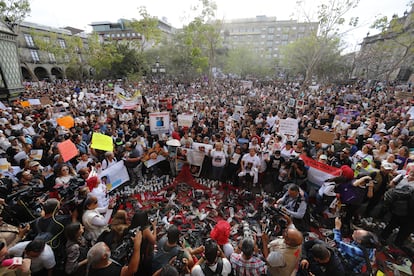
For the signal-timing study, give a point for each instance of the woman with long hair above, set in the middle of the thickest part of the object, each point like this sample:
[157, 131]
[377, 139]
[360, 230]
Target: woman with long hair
[76, 249]
[149, 238]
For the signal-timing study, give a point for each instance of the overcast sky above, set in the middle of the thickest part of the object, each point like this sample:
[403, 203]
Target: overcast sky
[80, 13]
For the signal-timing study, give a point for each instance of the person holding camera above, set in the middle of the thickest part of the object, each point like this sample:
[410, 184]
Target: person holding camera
[244, 262]
[294, 204]
[100, 263]
[213, 262]
[168, 248]
[283, 253]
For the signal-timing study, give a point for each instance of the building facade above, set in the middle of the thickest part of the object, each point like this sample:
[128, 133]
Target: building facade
[265, 35]
[389, 55]
[45, 52]
[120, 30]
[10, 75]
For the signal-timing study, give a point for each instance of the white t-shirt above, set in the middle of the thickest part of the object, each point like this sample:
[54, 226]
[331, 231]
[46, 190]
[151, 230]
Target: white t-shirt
[45, 260]
[197, 271]
[254, 160]
[218, 158]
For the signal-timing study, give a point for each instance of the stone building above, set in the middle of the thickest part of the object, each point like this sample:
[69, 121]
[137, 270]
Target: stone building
[38, 63]
[10, 75]
[389, 55]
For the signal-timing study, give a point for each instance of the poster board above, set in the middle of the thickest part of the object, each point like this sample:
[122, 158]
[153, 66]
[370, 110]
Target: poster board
[321, 136]
[288, 126]
[185, 120]
[159, 122]
[114, 176]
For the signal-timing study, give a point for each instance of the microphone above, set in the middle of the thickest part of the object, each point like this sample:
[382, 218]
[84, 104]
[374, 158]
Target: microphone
[13, 261]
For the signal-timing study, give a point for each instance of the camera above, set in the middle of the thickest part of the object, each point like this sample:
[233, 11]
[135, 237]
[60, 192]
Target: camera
[247, 233]
[178, 263]
[123, 252]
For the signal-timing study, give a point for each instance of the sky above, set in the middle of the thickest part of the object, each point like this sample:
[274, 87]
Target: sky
[81, 13]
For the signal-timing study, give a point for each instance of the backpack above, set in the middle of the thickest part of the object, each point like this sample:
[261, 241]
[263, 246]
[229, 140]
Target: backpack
[400, 201]
[207, 270]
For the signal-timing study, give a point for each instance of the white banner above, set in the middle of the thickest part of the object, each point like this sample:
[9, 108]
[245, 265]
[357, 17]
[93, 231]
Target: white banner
[114, 176]
[159, 122]
[34, 102]
[185, 120]
[288, 126]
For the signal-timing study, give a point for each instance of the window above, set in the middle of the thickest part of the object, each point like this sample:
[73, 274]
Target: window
[128, 34]
[29, 40]
[123, 35]
[52, 57]
[35, 56]
[62, 43]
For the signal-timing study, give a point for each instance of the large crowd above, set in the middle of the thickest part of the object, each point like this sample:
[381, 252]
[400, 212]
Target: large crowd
[60, 217]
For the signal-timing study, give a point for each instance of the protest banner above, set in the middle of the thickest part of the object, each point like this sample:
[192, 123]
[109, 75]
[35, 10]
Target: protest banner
[205, 148]
[247, 84]
[319, 172]
[66, 121]
[321, 136]
[67, 150]
[102, 142]
[288, 126]
[34, 101]
[114, 176]
[185, 120]
[159, 122]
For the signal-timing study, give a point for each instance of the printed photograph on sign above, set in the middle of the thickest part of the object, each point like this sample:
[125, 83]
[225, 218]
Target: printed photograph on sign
[291, 102]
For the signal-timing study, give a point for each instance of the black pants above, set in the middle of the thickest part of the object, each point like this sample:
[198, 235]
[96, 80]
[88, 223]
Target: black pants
[406, 225]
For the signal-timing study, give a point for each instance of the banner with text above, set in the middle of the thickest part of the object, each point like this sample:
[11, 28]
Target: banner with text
[288, 126]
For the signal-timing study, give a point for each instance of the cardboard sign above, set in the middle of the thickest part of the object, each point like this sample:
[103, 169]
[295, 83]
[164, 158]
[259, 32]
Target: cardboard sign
[67, 150]
[25, 103]
[45, 100]
[322, 136]
[102, 142]
[66, 121]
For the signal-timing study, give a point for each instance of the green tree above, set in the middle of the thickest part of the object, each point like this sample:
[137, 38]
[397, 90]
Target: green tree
[395, 42]
[14, 11]
[308, 54]
[245, 62]
[202, 38]
[101, 56]
[313, 56]
[148, 29]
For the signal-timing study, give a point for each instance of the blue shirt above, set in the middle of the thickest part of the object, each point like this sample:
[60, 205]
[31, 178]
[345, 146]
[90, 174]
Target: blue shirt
[352, 252]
